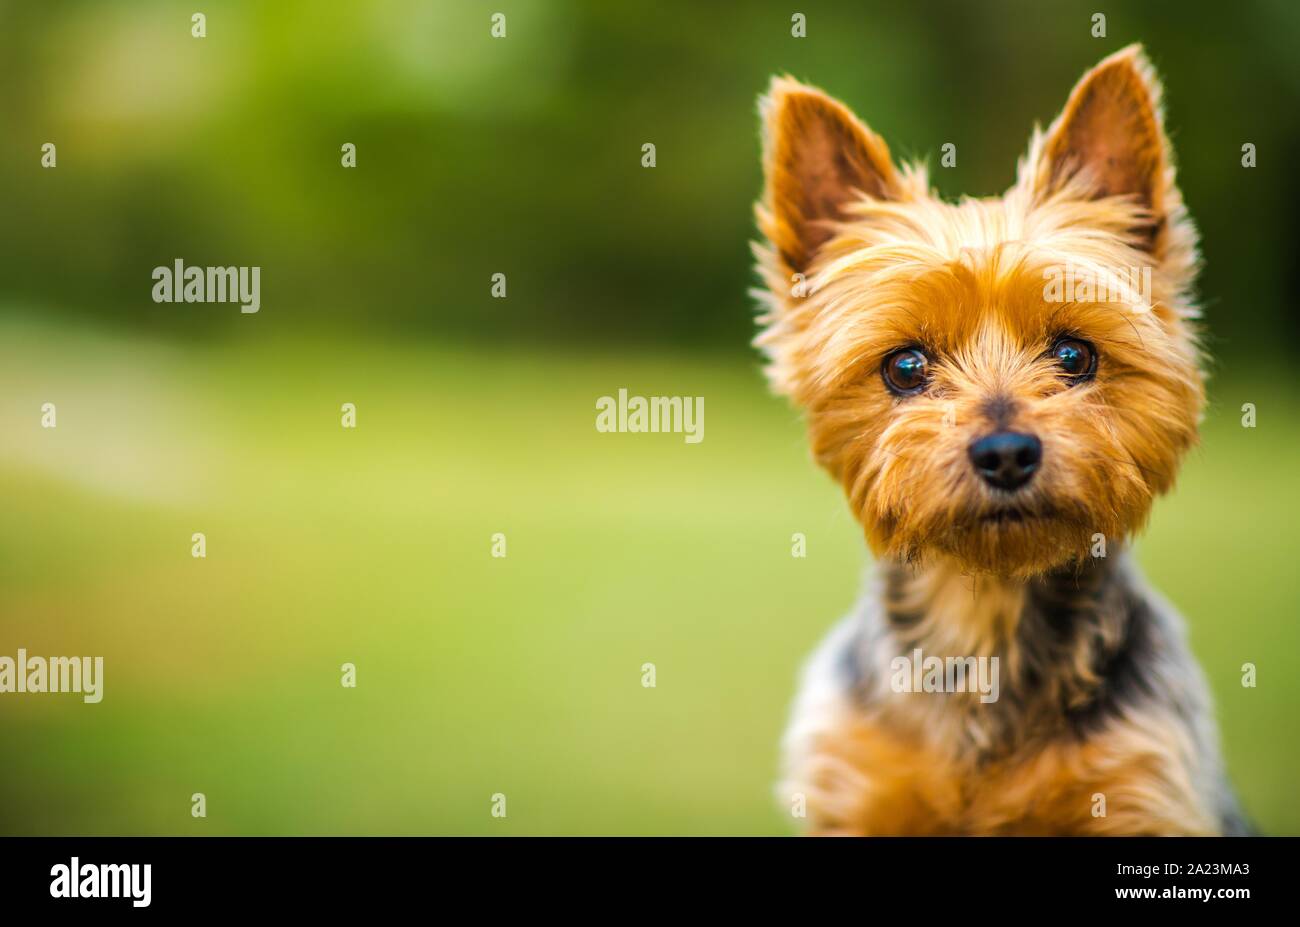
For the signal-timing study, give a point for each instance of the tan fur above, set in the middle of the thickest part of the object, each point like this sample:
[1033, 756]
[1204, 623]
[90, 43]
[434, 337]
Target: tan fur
[862, 259]
[967, 280]
[862, 779]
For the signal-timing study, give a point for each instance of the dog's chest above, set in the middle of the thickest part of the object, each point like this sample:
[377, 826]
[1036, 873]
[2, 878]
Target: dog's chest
[865, 779]
[891, 785]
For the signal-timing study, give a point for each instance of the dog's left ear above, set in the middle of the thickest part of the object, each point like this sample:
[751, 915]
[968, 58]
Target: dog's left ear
[817, 158]
[1111, 138]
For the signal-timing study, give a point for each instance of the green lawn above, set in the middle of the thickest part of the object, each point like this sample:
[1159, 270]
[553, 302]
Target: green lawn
[478, 675]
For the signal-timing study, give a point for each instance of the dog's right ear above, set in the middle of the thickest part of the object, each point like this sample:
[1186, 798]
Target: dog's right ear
[1112, 134]
[817, 157]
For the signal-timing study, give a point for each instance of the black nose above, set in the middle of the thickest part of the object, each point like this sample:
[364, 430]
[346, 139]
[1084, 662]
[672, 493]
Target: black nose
[1006, 460]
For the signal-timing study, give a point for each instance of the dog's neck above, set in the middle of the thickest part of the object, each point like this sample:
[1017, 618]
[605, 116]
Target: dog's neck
[980, 614]
[1059, 638]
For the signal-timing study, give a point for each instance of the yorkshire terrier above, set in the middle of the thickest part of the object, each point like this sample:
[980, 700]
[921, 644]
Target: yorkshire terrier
[999, 432]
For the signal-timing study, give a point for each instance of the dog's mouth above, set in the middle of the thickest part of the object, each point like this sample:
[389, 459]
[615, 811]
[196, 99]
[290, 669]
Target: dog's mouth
[1007, 516]
[1013, 515]
[1013, 536]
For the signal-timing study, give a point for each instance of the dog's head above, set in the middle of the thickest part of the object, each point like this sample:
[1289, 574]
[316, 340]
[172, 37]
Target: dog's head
[998, 381]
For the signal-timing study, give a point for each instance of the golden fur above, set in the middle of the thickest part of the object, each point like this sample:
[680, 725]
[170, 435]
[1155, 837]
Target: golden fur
[861, 259]
[967, 279]
[868, 780]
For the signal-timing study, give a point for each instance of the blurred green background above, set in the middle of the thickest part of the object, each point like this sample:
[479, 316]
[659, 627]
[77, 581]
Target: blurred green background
[475, 415]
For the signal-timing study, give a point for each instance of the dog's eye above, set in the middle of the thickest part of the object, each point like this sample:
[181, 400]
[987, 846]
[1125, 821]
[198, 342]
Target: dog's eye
[905, 371]
[1076, 358]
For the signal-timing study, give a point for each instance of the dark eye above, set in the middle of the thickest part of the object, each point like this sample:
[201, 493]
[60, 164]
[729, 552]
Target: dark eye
[906, 371]
[1076, 358]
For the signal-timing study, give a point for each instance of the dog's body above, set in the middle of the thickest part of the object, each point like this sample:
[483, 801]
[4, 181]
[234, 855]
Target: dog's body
[1103, 725]
[994, 437]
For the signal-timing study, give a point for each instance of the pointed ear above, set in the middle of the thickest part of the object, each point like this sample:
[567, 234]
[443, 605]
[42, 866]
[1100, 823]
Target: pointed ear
[817, 157]
[1111, 137]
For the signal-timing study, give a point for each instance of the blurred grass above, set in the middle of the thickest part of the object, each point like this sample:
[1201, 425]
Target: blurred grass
[479, 675]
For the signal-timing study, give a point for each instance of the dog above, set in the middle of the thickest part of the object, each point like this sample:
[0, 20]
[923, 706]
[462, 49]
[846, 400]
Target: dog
[1002, 386]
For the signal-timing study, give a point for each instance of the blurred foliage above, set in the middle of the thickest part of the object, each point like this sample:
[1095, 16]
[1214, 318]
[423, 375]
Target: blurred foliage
[522, 155]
